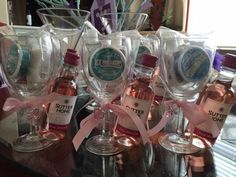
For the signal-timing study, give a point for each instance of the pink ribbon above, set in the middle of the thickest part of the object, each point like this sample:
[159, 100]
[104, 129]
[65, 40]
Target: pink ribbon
[193, 112]
[90, 122]
[12, 104]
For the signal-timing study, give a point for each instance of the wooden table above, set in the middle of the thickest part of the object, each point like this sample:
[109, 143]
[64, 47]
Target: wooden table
[61, 160]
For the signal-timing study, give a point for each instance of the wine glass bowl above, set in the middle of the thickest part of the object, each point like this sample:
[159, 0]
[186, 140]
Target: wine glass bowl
[26, 61]
[104, 82]
[186, 62]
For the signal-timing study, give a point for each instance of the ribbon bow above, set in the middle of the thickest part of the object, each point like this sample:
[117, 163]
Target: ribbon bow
[90, 122]
[12, 104]
[193, 112]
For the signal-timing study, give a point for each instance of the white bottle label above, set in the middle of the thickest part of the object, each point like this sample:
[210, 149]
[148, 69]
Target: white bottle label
[218, 111]
[140, 107]
[61, 110]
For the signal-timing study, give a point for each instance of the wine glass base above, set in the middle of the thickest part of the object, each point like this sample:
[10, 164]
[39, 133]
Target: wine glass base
[174, 143]
[31, 143]
[101, 145]
[51, 136]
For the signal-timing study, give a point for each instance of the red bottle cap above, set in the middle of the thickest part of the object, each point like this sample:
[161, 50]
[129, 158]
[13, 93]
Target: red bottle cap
[229, 61]
[148, 60]
[71, 57]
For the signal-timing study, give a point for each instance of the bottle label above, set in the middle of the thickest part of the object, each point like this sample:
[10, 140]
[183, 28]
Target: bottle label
[218, 111]
[61, 110]
[140, 107]
[107, 64]
[194, 64]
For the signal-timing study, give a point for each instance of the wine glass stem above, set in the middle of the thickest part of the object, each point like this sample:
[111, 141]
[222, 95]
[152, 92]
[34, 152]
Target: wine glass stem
[181, 128]
[34, 115]
[106, 123]
[181, 124]
[33, 127]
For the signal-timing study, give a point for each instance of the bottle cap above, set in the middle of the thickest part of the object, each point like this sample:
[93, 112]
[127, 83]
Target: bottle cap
[71, 57]
[92, 36]
[92, 33]
[116, 41]
[218, 61]
[229, 61]
[148, 60]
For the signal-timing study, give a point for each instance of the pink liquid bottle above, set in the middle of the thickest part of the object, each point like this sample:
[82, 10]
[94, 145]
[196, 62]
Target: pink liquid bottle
[138, 96]
[217, 98]
[60, 111]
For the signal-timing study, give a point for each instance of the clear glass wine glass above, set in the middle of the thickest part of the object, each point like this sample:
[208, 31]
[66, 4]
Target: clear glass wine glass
[116, 22]
[185, 64]
[107, 68]
[26, 60]
[106, 72]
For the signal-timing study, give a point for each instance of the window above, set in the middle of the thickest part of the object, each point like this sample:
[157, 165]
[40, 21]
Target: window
[214, 15]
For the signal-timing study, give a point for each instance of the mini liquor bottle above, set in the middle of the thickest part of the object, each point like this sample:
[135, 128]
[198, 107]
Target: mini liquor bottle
[138, 96]
[60, 111]
[217, 98]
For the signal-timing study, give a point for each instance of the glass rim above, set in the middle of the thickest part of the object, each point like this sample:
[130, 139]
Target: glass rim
[43, 10]
[172, 35]
[119, 13]
[30, 34]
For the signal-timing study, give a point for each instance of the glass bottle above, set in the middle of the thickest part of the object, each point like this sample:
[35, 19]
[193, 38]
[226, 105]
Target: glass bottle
[138, 96]
[28, 18]
[217, 98]
[60, 111]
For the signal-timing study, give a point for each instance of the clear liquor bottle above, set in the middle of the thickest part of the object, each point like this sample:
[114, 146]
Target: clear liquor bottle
[217, 98]
[138, 96]
[60, 111]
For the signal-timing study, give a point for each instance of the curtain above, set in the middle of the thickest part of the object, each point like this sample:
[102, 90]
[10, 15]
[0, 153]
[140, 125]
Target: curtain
[175, 14]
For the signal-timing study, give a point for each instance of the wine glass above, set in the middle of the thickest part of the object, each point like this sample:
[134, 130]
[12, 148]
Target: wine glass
[118, 46]
[185, 63]
[120, 22]
[105, 71]
[26, 61]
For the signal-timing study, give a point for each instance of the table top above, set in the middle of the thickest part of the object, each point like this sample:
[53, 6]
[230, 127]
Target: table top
[61, 160]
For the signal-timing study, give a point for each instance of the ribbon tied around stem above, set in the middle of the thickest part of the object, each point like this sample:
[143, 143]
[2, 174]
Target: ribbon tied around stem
[193, 112]
[90, 122]
[13, 104]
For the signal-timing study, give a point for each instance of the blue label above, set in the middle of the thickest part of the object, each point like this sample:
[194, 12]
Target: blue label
[12, 60]
[17, 60]
[107, 64]
[194, 64]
